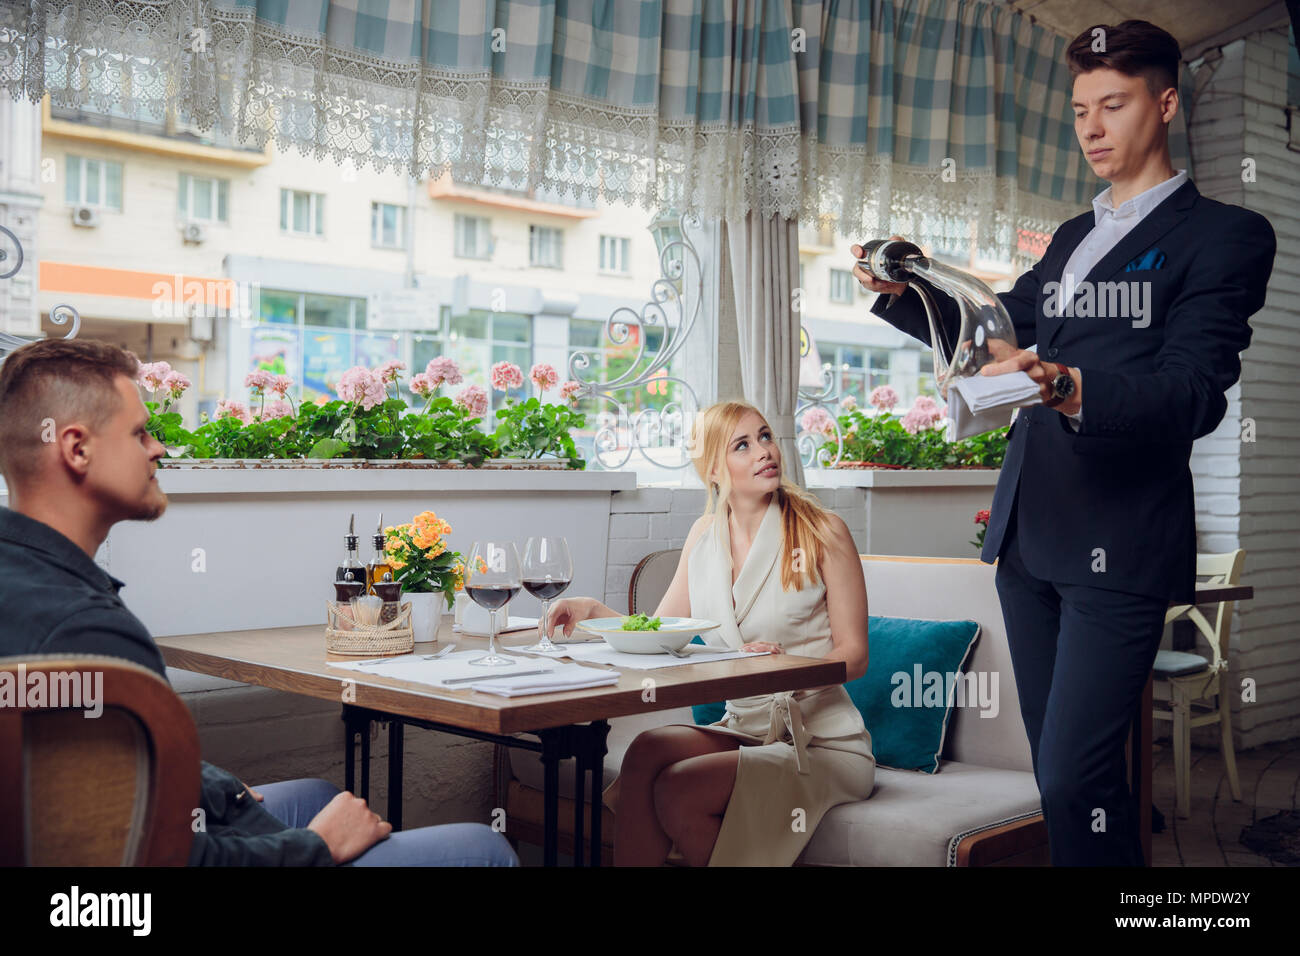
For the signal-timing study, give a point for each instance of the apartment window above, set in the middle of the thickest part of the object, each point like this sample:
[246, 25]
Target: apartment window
[302, 213]
[388, 225]
[473, 239]
[545, 247]
[94, 182]
[615, 254]
[841, 285]
[201, 199]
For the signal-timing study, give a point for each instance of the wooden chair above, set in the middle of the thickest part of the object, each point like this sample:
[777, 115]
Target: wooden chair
[119, 789]
[1190, 689]
[650, 580]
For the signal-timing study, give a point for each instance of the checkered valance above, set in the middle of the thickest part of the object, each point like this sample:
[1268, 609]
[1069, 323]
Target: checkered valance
[913, 116]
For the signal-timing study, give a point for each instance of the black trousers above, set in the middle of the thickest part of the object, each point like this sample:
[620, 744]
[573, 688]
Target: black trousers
[1081, 657]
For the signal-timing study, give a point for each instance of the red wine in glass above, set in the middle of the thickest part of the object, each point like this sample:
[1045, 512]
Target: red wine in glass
[543, 588]
[491, 579]
[547, 571]
[491, 598]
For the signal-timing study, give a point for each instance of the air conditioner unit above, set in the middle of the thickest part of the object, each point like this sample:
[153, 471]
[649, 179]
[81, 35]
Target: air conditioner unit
[193, 232]
[87, 216]
[200, 324]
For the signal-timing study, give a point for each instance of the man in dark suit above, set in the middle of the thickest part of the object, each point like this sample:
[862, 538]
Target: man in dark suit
[1138, 311]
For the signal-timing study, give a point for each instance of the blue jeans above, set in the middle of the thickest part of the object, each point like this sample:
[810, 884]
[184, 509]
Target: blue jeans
[296, 802]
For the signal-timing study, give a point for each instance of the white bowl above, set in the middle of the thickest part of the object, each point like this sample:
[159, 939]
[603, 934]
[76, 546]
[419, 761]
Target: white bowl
[673, 634]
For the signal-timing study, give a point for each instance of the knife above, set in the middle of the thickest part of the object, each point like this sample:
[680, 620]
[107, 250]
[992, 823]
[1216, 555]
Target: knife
[485, 678]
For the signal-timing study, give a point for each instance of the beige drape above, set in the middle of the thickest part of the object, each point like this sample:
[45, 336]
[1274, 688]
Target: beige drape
[763, 257]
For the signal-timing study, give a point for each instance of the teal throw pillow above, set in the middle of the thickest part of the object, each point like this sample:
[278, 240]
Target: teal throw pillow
[912, 680]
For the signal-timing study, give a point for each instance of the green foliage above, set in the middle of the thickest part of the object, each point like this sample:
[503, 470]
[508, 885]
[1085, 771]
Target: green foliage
[530, 429]
[882, 439]
[339, 429]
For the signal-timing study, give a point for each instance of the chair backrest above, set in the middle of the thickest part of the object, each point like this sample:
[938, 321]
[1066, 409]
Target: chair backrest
[99, 764]
[1221, 568]
[650, 580]
[929, 589]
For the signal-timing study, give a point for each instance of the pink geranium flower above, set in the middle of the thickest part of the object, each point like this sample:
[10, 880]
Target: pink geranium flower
[421, 384]
[474, 398]
[544, 376]
[362, 386]
[506, 375]
[568, 391]
[818, 421]
[175, 384]
[259, 380]
[848, 403]
[229, 408]
[388, 372]
[151, 375]
[883, 397]
[277, 408]
[443, 371]
[280, 384]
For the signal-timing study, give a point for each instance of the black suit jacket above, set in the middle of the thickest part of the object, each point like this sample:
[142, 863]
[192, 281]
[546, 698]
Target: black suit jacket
[1117, 495]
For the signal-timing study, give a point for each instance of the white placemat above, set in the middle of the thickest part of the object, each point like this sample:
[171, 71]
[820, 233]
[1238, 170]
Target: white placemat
[602, 653]
[415, 668]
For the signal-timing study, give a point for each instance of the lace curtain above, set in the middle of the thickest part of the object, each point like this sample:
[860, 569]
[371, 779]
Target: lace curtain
[911, 116]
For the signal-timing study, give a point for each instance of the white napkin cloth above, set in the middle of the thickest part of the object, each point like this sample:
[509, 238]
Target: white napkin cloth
[602, 653]
[981, 403]
[561, 677]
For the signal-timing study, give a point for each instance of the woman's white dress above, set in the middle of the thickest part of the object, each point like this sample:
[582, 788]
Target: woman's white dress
[804, 751]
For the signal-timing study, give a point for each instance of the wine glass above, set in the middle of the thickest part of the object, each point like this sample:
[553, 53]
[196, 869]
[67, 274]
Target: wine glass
[548, 569]
[492, 579]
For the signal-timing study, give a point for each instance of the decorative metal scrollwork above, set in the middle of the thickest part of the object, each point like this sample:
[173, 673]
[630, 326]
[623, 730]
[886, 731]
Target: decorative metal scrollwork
[59, 315]
[649, 427]
[811, 447]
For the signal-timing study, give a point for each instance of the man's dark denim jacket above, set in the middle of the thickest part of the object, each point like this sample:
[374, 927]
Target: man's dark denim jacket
[54, 599]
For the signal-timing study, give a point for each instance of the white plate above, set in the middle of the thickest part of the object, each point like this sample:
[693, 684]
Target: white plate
[674, 633]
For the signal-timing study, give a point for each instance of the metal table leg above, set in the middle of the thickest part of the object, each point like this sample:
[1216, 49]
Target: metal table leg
[365, 760]
[551, 746]
[596, 735]
[579, 790]
[395, 755]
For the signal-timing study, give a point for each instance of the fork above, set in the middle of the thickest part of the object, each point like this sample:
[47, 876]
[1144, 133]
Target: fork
[675, 652]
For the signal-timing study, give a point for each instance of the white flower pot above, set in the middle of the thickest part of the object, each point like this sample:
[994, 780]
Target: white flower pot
[427, 610]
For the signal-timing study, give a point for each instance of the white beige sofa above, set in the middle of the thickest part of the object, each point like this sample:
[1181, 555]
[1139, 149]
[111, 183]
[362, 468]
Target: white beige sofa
[981, 808]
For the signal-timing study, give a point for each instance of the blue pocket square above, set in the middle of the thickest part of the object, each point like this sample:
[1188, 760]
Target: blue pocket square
[1151, 259]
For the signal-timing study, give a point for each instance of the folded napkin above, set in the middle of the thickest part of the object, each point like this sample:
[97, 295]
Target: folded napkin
[560, 677]
[981, 403]
[475, 628]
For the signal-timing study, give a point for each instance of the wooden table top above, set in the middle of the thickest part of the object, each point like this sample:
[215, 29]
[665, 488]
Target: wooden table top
[294, 659]
[1214, 593]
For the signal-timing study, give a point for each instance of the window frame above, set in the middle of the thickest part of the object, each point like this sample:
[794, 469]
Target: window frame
[185, 199]
[399, 229]
[315, 213]
[536, 232]
[101, 203]
[458, 236]
[620, 248]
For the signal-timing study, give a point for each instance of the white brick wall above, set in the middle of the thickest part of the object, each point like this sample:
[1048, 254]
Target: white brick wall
[1247, 492]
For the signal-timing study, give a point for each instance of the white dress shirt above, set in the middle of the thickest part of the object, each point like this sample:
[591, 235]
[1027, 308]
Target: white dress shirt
[1110, 225]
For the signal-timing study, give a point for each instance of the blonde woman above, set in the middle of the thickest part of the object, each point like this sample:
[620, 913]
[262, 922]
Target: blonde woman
[781, 574]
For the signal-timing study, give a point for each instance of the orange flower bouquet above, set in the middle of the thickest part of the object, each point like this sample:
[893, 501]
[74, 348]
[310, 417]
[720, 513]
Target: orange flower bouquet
[421, 560]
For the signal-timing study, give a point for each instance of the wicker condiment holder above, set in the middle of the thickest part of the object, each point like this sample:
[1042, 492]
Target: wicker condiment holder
[344, 636]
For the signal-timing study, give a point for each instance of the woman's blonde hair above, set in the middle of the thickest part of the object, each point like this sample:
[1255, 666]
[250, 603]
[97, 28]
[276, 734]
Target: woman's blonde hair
[804, 522]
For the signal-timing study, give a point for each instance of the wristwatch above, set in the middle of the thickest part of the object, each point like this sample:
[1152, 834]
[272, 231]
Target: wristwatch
[1062, 385]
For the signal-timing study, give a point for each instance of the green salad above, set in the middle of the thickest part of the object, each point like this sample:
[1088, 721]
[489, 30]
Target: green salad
[639, 622]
